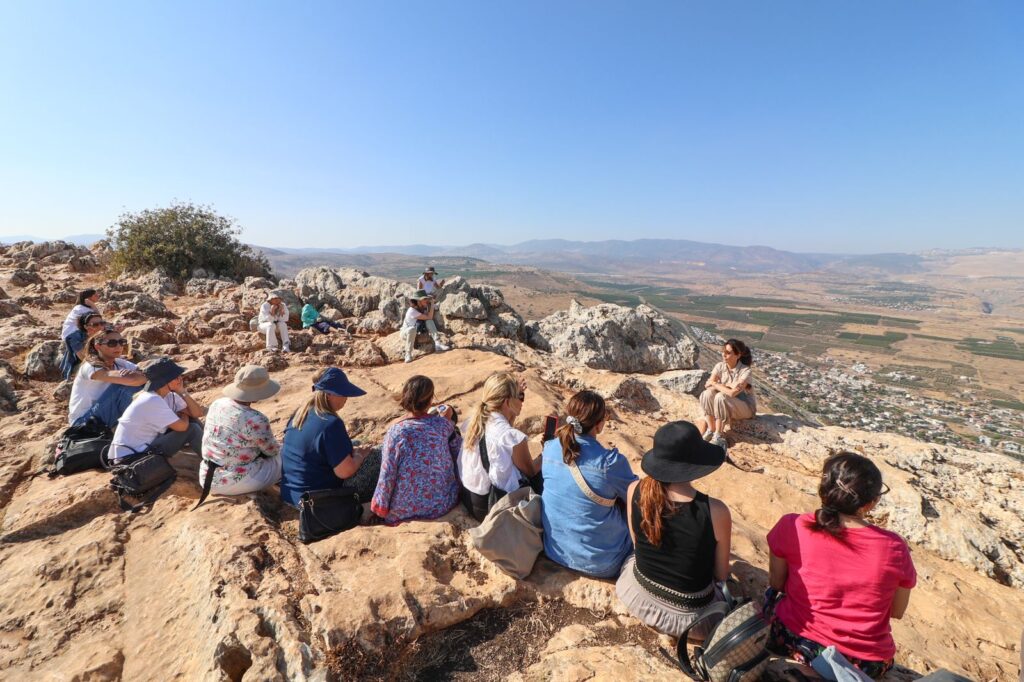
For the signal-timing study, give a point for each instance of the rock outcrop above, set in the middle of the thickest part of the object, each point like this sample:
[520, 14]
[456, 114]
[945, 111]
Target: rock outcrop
[610, 336]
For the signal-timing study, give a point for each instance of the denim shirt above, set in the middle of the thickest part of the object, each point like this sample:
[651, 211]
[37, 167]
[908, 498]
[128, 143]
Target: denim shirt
[578, 533]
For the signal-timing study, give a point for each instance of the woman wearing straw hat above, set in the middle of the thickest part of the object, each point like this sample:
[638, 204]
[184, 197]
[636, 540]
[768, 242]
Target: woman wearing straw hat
[421, 309]
[273, 321]
[681, 536]
[240, 452]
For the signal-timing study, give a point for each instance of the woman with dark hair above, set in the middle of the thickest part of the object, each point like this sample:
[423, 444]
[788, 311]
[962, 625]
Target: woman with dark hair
[729, 393]
[835, 578]
[584, 528]
[682, 536]
[74, 344]
[417, 470]
[317, 453]
[105, 383]
[71, 332]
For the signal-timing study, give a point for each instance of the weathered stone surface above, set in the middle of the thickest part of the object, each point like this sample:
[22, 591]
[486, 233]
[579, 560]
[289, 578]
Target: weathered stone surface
[132, 305]
[154, 284]
[685, 381]
[609, 336]
[23, 278]
[152, 333]
[635, 395]
[204, 286]
[9, 308]
[459, 304]
[43, 361]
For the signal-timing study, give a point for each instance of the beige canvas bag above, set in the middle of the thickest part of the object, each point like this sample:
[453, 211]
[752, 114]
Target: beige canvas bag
[511, 534]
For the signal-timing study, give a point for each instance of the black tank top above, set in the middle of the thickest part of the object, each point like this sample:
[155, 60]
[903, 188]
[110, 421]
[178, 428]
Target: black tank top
[685, 560]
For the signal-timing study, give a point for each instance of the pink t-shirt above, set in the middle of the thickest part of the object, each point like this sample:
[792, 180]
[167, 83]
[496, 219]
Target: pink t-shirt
[840, 592]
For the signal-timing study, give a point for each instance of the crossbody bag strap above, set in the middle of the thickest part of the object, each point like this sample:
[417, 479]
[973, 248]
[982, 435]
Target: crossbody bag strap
[211, 470]
[483, 454]
[585, 488]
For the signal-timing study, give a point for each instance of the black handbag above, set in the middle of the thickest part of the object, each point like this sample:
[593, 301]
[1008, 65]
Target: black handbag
[323, 513]
[144, 476]
[80, 448]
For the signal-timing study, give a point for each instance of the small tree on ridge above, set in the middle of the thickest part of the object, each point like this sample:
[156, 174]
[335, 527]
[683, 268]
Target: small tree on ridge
[180, 239]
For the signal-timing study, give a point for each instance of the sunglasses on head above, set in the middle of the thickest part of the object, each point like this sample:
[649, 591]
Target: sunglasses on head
[113, 343]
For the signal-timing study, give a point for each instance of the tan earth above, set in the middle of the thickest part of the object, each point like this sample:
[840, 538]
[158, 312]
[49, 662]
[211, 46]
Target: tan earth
[228, 593]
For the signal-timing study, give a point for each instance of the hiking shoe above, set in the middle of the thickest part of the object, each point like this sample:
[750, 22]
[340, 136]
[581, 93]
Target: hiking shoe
[719, 440]
[408, 358]
[440, 346]
[707, 435]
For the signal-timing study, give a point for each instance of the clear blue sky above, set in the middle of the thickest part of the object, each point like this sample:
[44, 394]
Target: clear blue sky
[810, 126]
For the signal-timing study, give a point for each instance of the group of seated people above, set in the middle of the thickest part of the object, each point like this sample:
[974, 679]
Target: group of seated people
[835, 579]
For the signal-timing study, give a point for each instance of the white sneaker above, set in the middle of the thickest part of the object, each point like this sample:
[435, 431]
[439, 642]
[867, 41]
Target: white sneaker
[286, 349]
[707, 434]
[440, 346]
[408, 358]
[719, 440]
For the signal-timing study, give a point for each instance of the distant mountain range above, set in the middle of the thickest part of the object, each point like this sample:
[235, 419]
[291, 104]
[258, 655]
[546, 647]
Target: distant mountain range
[79, 239]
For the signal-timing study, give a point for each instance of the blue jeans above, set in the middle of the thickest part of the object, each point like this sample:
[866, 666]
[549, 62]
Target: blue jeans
[170, 442]
[109, 407]
[73, 343]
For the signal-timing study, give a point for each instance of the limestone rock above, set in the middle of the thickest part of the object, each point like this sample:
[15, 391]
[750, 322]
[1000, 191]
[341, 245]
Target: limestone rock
[133, 305]
[613, 337]
[153, 333]
[459, 304]
[43, 361]
[685, 381]
[635, 394]
[23, 278]
[9, 308]
[205, 286]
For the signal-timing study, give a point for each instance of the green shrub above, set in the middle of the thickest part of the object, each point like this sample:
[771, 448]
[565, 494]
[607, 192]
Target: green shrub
[180, 239]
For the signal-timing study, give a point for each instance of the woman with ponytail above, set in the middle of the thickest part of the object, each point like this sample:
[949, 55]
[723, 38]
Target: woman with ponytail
[584, 528]
[507, 464]
[682, 536]
[835, 578]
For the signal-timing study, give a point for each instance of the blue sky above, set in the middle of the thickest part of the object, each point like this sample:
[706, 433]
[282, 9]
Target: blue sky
[809, 126]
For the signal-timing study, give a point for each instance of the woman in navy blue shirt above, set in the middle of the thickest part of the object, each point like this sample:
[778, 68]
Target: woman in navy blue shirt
[317, 453]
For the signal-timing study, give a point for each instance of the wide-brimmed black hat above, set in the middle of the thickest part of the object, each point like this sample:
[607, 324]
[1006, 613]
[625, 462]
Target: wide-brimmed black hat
[160, 373]
[680, 454]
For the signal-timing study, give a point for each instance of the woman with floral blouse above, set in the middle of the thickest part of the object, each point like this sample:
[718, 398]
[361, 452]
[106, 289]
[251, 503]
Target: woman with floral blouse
[238, 439]
[417, 472]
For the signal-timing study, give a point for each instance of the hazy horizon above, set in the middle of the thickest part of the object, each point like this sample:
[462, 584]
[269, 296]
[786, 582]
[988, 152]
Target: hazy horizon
[807, 127]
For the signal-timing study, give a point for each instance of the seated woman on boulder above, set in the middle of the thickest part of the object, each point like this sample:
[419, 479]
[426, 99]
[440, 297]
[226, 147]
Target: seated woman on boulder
[584, 529]
[163, 418]
[421, 309]
[72, 333]
[105, 383]
[273, 322]
[495, 455]
[317, 453]
[729, 395]
[417, 470]
[312, 319]
[682, 536]
[75, 350]
[238, 441]
[835, 578]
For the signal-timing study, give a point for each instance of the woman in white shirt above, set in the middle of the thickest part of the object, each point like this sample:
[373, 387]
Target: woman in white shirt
[729, 395]
[509, 463]
[105, 382]
[416, 313]
[427, 283]
[273, 321]
[71, 332]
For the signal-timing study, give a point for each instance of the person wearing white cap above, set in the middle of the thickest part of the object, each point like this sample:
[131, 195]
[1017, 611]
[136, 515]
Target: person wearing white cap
[273, 321]
[240, 453]
[418, 312]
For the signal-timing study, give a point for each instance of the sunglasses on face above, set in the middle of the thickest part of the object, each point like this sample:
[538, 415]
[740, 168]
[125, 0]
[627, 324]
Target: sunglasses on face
[95, 323]
[113, 343]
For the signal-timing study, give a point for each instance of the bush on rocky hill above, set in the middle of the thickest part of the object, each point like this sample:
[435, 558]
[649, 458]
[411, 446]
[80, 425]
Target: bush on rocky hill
[180, 239]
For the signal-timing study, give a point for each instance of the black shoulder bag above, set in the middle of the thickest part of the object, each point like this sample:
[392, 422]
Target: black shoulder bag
[144, 476]
[80, 448]
[323, 513]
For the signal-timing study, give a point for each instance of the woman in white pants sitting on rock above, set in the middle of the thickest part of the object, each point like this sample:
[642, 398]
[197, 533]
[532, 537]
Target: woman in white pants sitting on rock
[240, 453]
[421, 308]
[729, 396]
[273, 321]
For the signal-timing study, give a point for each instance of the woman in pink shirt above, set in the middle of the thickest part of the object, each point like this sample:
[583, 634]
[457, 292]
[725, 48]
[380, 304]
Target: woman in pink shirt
[835, 578]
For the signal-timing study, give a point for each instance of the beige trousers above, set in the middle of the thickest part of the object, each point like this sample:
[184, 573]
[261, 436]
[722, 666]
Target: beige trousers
[724, 408]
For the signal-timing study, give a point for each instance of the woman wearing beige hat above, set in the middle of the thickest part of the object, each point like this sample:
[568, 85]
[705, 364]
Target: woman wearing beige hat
[273, 321]
[244, 453]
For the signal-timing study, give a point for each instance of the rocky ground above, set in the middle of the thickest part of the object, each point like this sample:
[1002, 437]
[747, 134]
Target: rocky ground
[227, 592]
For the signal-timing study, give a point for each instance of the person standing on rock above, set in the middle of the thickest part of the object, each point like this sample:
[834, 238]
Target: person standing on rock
[495, 458]
[317, 453]
[70, 331]
[835, 579]
[427, 283]
[240, 453]
[105, 382]
[273, 321]
[421, 309]
[682, 537]
[729, 395]
[163, 418]
[584, 528]
[417, 472]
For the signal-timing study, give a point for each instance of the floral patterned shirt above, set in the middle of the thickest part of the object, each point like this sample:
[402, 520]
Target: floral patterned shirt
[417, 471]
[234, 437]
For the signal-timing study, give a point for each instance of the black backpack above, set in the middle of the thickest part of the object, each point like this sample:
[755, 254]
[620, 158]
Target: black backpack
[81, 448]
[144, 476]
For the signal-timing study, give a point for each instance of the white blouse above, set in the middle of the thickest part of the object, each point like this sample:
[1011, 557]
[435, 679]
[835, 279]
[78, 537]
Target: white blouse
[501, 438]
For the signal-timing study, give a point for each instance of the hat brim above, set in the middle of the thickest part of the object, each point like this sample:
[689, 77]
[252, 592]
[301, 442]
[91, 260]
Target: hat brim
[348, 391]
[252, 395]
[661, 468]
[151, 386]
